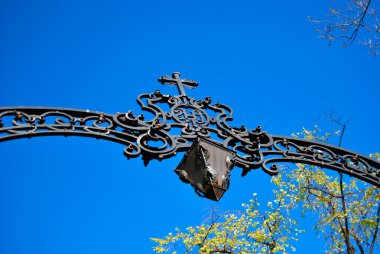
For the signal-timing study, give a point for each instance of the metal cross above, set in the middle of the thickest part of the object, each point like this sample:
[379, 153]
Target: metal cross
[180, 83]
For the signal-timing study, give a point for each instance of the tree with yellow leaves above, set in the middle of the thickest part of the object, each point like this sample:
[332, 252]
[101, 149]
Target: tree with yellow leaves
[348, 216]
[246, 231]
[348, 212]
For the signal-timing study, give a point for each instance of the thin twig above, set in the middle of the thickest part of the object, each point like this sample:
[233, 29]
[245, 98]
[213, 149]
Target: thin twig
[376, 230]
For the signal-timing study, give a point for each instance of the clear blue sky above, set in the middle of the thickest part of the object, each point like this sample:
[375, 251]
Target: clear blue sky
[79, 195]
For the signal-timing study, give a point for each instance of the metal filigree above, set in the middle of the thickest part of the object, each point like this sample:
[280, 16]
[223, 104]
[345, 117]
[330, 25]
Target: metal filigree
[160, 134]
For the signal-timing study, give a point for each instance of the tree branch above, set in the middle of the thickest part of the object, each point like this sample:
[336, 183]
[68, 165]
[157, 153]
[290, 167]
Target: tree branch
[222, 250]
[360, 23]
[208, 231]
[376, 230]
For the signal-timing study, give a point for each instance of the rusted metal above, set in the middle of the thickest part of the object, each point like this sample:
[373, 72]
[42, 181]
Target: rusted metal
[187, 122]
[206, 166]
[177, 81]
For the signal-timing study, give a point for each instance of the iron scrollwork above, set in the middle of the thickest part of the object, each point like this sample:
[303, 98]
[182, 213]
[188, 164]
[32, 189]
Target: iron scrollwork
[160, 134]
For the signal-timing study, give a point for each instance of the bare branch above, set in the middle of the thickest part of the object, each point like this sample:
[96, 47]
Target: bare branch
[376, 230]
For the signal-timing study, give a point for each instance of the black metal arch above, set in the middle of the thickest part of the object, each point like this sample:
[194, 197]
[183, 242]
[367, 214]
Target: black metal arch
[165, 133]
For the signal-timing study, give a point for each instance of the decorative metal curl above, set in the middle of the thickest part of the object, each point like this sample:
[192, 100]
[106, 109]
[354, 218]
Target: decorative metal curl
[159, 134]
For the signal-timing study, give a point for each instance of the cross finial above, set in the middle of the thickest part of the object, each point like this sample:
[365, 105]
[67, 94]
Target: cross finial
[180, 83]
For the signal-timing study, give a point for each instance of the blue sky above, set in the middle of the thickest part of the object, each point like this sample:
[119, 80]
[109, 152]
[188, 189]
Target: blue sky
[263, 59]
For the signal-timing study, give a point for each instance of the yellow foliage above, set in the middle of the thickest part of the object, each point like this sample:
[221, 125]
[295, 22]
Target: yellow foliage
[273, 229]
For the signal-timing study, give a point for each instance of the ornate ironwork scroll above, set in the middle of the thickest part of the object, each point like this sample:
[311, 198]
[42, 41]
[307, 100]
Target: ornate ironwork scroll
[160, 134]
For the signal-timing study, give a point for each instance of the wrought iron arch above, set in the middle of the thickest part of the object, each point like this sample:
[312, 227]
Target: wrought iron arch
[165, 133]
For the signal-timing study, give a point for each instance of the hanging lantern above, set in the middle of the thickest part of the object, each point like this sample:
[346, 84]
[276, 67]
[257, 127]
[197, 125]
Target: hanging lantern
[206, 166]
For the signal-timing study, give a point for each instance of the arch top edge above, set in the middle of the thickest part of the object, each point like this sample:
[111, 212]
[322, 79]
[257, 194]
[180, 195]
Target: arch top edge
[315, 144]
[42, 109]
